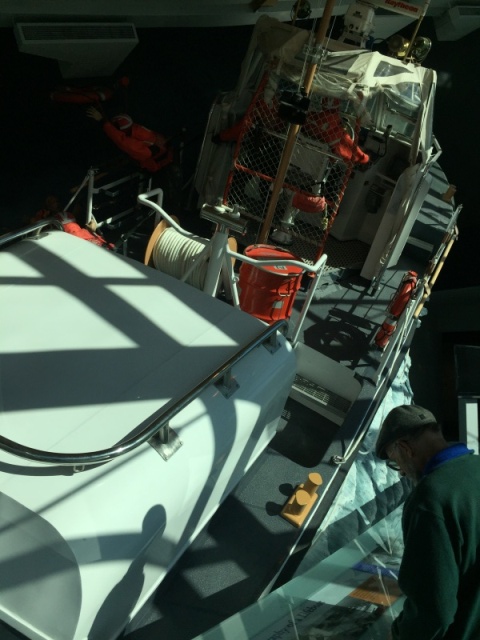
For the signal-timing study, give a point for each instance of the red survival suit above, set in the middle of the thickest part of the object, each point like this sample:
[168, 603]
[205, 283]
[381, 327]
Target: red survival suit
[69, 222]
[327, 126]
[267, 115]
[149, 149]
[70, 225]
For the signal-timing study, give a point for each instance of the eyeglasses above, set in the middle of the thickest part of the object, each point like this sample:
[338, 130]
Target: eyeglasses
[393, 465]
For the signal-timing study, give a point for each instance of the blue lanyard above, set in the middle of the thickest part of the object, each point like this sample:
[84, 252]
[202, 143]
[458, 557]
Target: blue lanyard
[453, 451]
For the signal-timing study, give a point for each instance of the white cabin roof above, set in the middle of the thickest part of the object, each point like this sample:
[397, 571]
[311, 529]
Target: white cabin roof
[93, 344]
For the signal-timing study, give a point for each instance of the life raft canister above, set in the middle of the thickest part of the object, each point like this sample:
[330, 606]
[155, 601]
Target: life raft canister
[269, 295]
[81, 95]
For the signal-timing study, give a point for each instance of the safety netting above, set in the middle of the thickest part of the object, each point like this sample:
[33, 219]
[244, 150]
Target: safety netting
[324, 154]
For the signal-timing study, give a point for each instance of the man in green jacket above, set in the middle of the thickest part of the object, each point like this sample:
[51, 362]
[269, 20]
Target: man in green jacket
[440, 570]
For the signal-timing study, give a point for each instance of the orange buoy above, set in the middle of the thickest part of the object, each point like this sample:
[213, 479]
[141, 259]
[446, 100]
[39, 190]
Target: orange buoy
[396, 307]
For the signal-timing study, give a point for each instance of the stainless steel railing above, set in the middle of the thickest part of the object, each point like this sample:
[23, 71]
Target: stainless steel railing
[30, 230]
[220, 376]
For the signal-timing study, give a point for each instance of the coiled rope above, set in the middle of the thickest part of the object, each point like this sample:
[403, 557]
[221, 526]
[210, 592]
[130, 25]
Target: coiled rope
[174, 254]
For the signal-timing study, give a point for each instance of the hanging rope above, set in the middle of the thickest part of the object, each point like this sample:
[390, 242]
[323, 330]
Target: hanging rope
[174, 254]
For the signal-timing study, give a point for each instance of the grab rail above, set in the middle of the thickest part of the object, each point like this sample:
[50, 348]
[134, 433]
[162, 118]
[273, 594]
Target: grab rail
[25, 231]
[106, 455]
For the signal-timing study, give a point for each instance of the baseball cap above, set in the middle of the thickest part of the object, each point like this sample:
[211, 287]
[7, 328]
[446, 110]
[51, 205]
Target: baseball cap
[400, 422]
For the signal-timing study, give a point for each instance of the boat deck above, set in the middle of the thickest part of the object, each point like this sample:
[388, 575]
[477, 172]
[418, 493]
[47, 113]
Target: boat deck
[247, 548]
[244, 548]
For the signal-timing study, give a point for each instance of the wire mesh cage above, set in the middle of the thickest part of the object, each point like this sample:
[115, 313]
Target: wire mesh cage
[324, 153]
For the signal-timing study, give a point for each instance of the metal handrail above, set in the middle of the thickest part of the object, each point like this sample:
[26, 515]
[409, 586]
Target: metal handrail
[155, 424]
[25, 231]
[215, 266]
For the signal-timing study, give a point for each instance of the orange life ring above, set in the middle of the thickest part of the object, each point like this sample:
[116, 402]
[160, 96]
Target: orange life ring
[400, 299]
[81, 95]
[403, 294]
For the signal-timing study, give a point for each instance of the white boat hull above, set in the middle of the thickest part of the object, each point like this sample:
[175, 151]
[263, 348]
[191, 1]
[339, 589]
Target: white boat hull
[82, 551]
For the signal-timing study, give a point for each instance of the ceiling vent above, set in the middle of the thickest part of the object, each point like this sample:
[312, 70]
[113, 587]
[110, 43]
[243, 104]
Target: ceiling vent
[457, 22]
[386, 25]
[83, 49]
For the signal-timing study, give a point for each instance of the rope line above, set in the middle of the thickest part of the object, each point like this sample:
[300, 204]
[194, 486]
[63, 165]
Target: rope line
[174, 254]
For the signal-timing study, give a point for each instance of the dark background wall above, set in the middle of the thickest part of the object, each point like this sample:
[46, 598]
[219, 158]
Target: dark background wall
[175, 75]
[456, 128]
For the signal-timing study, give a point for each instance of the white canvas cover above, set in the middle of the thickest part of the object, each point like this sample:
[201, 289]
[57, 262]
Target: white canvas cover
[357, 76]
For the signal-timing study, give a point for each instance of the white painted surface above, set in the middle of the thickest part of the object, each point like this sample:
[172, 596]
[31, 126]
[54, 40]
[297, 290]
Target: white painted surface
[468, 421]
[93, 344]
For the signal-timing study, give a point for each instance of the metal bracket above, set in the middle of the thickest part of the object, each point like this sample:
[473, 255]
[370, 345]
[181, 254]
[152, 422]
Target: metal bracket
[272, 344]
[227, 385]
[313, 54]
[166, 442]
[226, 216]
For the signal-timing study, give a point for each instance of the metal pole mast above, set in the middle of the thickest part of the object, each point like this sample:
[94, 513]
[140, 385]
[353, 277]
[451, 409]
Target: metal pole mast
[293, 131]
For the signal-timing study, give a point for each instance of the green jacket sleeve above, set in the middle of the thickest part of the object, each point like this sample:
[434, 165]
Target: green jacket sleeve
[428, 578]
